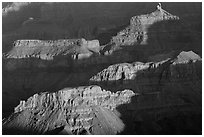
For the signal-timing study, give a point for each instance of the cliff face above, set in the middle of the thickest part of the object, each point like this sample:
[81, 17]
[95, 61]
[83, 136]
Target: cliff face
[81, 110]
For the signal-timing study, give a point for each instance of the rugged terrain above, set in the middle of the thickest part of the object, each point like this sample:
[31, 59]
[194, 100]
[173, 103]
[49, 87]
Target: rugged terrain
[145, 80]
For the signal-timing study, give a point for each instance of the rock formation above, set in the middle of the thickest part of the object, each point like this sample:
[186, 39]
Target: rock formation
[47, 50]
[137, 32]
[183, 67]
[81, 110]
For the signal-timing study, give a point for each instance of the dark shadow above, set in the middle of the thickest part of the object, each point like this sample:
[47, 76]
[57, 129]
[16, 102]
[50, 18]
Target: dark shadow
[17, 131]
[160, 119]
[106, 36]
[55, 131]
[166, 36]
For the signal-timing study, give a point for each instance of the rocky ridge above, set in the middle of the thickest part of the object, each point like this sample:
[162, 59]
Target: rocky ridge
[128, 71]
[170, 79]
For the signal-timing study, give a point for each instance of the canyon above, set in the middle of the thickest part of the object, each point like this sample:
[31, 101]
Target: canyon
[147, 79]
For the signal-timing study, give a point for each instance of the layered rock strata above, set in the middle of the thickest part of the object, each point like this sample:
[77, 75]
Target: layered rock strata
[47, 50]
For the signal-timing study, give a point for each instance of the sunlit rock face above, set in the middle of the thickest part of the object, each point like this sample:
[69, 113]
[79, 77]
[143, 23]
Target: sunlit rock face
[141, 31]
[154, 33]
[81, 110]
[40, 54]
[136, 32]
[47, 50]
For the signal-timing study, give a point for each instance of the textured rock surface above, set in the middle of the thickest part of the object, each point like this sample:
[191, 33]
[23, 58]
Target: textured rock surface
[59, 53]
[47, 50]
[172, 80]
[81, 110]
[129, 71]
[136, 32]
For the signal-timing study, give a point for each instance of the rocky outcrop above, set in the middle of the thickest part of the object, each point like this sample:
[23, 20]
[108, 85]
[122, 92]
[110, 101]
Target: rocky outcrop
[47, 50]
[44, 54]
[183, 67]
[81, 110]
[186, 57]
[137, 32]
[124, 71]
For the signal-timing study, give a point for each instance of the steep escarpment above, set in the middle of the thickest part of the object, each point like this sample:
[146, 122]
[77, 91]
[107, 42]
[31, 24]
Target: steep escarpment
[81, 110]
